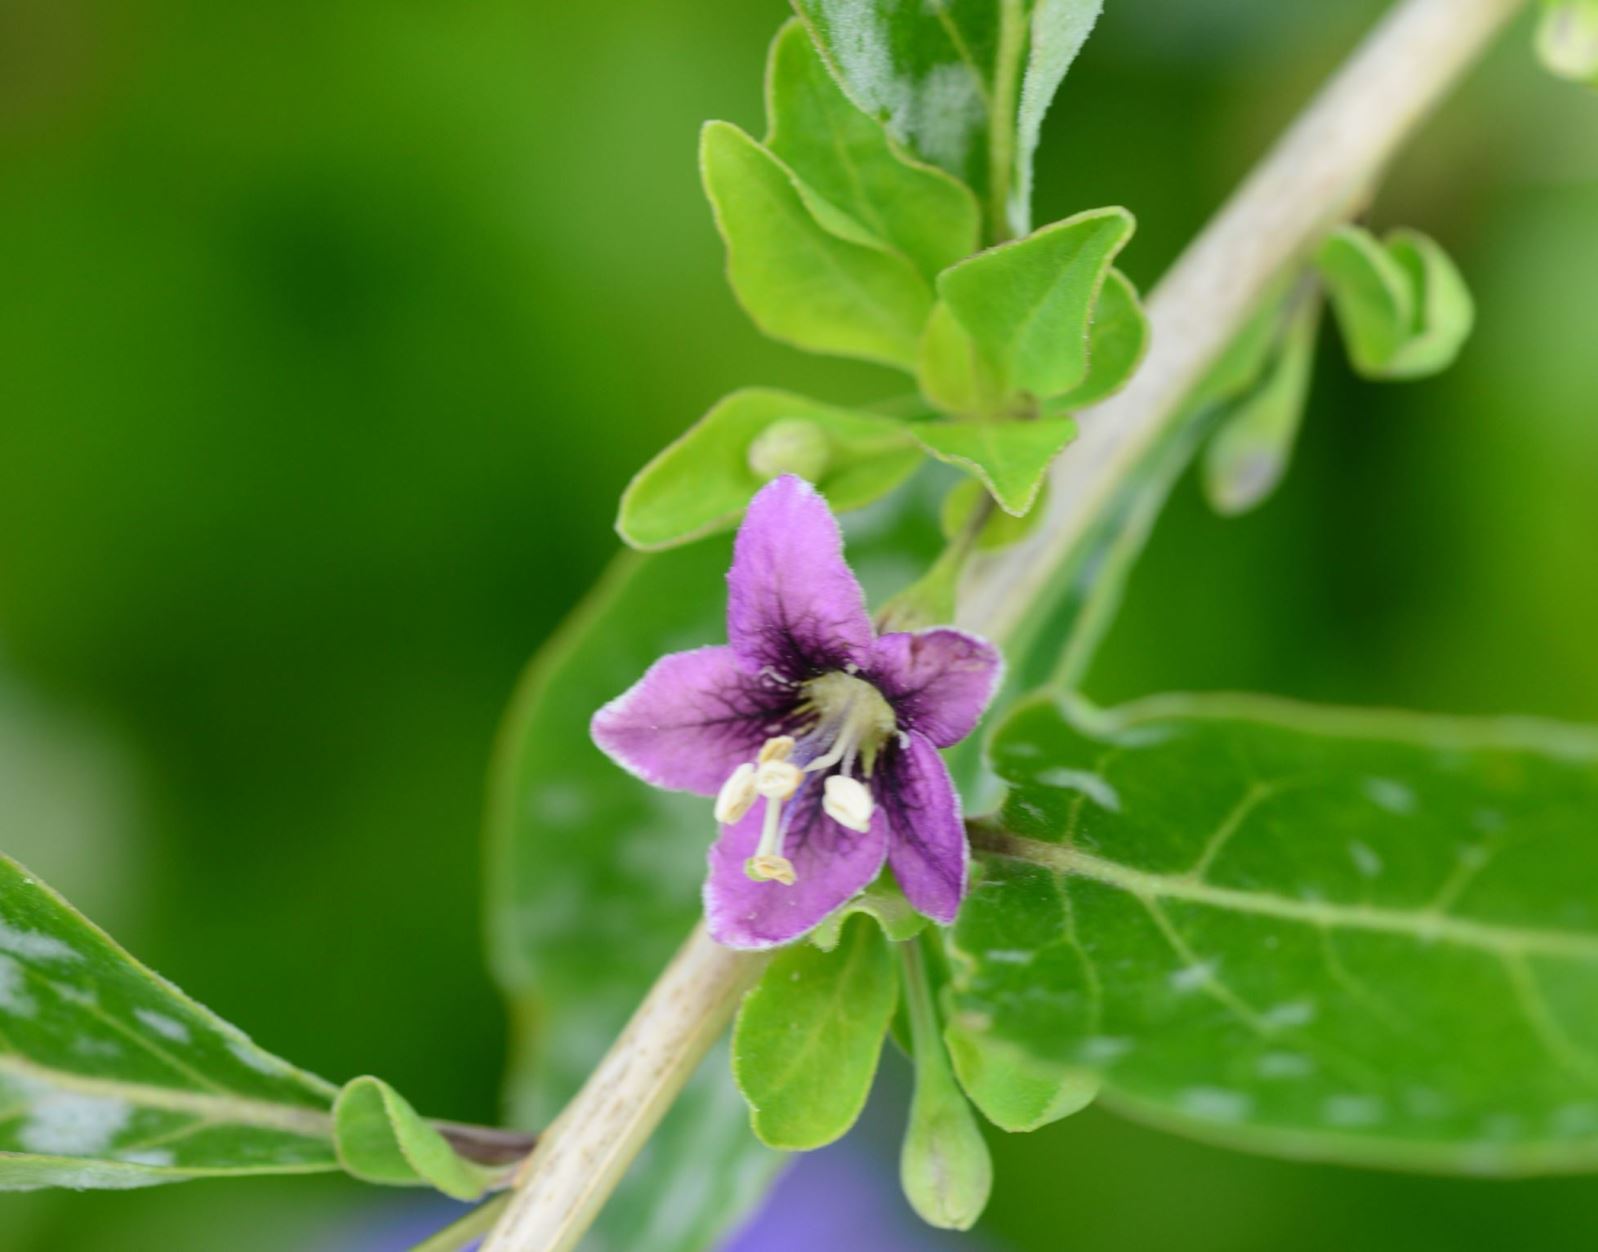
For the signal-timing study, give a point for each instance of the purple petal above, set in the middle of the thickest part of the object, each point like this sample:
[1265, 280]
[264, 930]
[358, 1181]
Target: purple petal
[792, 603]
[832, 865]
[692, 719]
[926, 842]
[938, 681]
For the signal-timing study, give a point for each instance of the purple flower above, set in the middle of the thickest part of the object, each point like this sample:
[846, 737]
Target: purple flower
[818, 738]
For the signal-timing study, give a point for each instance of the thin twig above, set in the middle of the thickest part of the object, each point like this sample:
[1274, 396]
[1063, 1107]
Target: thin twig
[1326, 163]
[584, 1152]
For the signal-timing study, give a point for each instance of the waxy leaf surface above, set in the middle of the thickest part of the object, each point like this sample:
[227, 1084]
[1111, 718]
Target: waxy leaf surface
[1365, 937]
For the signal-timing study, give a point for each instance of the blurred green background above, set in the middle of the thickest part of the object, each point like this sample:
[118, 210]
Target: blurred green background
[328, 335]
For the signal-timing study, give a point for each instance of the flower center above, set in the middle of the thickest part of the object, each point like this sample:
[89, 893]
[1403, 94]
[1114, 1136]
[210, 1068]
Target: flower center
[843, 722]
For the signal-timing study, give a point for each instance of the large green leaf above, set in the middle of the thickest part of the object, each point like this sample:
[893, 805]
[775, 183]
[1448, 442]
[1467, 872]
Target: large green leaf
[1027, 306]
[594, 878]
[702, 482]
[845, 158]
[805, 1047]
[965, 83]
[1366, 937]
[111, 1077]
[818, 284]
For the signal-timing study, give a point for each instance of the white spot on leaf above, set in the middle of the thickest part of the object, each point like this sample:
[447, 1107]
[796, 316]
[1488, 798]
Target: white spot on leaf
[14, 997]
[64, 1123]
[1365, 859]
[166, 1027]
[1215, 1104]
[1089, 784]
[1289, 1013]
[1352, 1110]
[1388, 794]
[1284, 1065]
[30, 945]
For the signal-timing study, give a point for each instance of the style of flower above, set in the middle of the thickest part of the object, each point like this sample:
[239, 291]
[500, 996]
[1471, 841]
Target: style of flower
[818, 738]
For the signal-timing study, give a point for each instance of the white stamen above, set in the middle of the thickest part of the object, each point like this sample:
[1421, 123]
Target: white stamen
[768, 862]
[737, 795]
[777, 780]
[848, 803]
[778, 749]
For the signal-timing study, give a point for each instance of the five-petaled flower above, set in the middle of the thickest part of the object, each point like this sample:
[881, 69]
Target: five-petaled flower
[818, 737]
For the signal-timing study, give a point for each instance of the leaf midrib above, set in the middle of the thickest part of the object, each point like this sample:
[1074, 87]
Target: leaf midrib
[225, 1109]
[1421, 925]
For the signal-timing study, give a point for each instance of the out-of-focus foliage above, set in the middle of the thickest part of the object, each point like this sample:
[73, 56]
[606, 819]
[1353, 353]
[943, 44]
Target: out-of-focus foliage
[331, 335]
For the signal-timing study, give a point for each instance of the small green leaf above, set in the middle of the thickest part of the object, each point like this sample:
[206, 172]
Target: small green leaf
[1348, 935]
[810, 282]
[1444, 310]
[805, 1047]
[1027, 305]
[1371, 294]
[1009, 457]
[1402, 306]
[845, 158]
[964, 84]
[381, 1139]
[1000, 530]
[948, 372]
[701, 483]
[1117, 340]
[1250, 453]
[1567, 39]
[1016, 1091]
[944, 1166]
[883, 902]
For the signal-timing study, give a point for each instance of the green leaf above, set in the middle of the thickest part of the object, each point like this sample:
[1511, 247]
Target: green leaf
[111, 1077]
[1009, 457]
[1402, 306]
[1353, 936]
[944, 1166]
[814, 283]
[1249, 455]
[381, 1139]
[805, 1047]
[884, 903]
[1567, 39]
[1444, 310]
[594, 878]
[1000, 530]
[1027, 305]
[701, 483]
[964, 84]
[845, 158]
[1014, 1090]
[1117, 340]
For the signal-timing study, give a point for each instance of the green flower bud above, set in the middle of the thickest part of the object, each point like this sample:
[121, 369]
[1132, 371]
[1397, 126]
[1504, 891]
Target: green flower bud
[793, 445]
